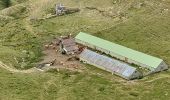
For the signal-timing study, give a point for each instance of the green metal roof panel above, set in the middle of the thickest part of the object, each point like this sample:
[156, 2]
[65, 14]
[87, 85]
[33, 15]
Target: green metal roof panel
[120, 50]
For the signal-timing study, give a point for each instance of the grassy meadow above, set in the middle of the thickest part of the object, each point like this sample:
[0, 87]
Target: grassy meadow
[91, 84]
[143, 25]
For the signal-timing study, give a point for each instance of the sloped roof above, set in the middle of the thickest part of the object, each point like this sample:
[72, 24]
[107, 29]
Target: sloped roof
[120, 50]
[107, 63]
[69, 44]
[68, 41]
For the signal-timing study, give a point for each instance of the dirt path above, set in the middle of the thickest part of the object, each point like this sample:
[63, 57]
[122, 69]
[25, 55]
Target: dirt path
[161, 76]
[155, 79]
[13, 70]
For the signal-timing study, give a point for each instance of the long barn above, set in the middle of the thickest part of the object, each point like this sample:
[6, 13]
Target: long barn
[111, 65]
[123, 53]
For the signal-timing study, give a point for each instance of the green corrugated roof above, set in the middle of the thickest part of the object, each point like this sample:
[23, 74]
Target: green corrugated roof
[120, 50]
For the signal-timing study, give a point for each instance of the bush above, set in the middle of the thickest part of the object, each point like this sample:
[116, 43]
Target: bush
[6, 3]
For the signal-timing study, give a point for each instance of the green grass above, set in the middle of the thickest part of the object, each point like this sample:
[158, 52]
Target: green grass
[144, 28]
[22, 41]
[1, 5]
[149, 35]
[7, 3]
[66, 85]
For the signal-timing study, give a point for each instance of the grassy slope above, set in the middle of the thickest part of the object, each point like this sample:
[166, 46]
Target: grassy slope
[13, 2]
[146, 30]
[81, 86]
[148, 33]
[1, 5]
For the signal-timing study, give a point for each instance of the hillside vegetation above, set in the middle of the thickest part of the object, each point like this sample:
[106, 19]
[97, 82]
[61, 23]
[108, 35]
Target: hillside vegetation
[142, 25]
[8, 3]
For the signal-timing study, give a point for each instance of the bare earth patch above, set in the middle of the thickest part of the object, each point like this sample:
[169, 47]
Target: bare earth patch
[60, 60]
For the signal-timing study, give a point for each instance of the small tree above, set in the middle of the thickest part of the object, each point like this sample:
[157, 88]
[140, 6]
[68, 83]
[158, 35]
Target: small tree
[7, 3]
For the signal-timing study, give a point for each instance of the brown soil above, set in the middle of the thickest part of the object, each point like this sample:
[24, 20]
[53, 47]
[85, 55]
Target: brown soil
[61, 60]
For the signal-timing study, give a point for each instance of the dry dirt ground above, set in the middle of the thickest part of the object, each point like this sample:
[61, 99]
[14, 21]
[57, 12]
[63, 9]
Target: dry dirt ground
[51, 54]
[61, 60]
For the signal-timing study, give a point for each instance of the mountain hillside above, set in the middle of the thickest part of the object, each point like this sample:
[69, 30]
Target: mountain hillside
[25, 26]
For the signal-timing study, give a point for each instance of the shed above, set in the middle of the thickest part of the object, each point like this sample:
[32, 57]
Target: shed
[60, 9]
[68, 46]
[111, 65]
[123, 53]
